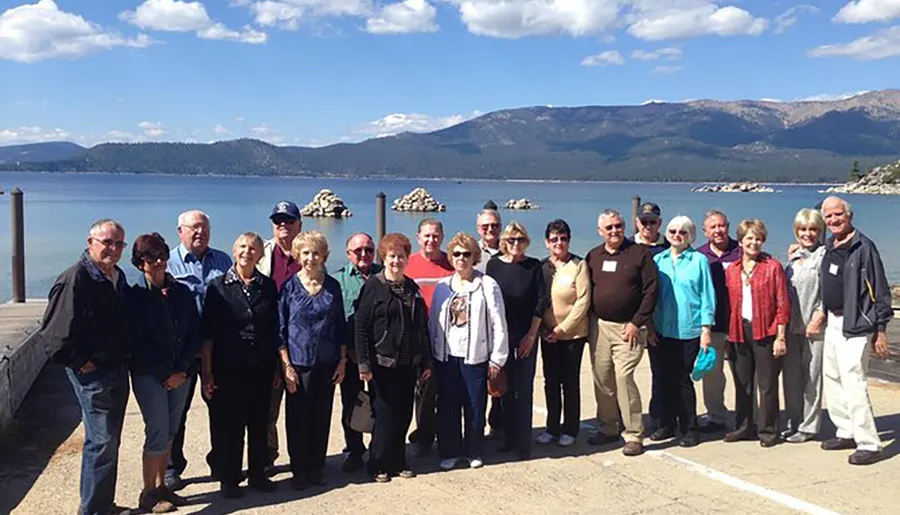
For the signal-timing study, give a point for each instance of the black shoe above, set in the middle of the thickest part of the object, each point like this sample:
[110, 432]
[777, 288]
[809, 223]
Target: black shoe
[864, 457]
[662, 433]
[232, 492]
[688, 440]
[738, 436]
[838, 444]
[768, 442]
[263, 484]
[597, 439]
[352, 463]
[712, 427]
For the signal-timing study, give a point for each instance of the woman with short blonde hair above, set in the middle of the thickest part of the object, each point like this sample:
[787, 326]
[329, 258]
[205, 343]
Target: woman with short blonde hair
[514, 231]
[802, 367]
[310, 240]
[467, 242]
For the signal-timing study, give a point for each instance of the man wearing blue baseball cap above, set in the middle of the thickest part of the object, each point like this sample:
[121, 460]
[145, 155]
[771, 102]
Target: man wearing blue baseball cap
[278, 263]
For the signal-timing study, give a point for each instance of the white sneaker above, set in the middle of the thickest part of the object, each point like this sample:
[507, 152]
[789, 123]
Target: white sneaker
[566, 440]
[475, 463]
[449, 463]
[545, 438]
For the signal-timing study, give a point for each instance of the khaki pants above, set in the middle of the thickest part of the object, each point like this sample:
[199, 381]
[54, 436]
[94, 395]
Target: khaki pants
[714, 383]
[613, 361]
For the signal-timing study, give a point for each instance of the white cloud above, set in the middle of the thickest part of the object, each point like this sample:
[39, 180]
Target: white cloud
[668, 53]
[878, 45]
[704, 18]
[31, 134]
[520, 18]
[268, 134]
[179, 16]
[665, 70]
[152, 130]
[403, 17]
[410, 122]
[239, 119]
[288, 14]
[788, 18]
[221, 130]
[609, 57]
[864, 11]
[34, 32]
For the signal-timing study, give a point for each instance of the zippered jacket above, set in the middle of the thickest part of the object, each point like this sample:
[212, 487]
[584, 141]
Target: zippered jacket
[867, 295]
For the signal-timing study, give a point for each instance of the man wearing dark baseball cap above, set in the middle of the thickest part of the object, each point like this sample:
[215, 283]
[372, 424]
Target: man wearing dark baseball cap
[278, 263]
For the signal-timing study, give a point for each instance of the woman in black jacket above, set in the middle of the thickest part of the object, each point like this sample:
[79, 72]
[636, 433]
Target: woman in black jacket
[166, 332]
[239, 357]
[391, 344]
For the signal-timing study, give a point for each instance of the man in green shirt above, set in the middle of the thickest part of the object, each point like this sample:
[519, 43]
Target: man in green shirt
[361, 254]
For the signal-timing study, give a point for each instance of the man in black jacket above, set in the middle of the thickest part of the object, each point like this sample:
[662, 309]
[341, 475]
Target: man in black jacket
[856, 300]
[84, 326]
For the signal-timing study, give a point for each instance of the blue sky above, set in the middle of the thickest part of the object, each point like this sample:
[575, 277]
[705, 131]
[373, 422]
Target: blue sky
[313, 72]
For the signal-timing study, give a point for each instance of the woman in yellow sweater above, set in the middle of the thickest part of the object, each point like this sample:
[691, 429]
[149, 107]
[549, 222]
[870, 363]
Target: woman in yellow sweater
[565, 329]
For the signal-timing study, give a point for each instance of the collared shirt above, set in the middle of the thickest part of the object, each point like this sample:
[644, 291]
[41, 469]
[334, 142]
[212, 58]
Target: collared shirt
[284, 266]
[717, 266]
[486, 254]
[197, 273]
[686, 300]
[351, 280]
[769, 296]
[231, 277]
[655, 247]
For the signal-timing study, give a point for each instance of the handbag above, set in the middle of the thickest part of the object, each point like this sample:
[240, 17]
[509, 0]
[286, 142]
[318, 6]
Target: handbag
[362, 418]
[497, 387]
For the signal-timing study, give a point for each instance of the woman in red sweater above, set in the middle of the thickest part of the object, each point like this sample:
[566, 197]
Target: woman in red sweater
[760, 312]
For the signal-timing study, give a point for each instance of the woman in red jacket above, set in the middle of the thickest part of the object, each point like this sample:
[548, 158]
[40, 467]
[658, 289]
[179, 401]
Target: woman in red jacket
[760, 311]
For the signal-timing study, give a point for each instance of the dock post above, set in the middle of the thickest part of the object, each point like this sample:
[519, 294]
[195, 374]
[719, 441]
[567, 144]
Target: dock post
[635, 205]
[17, 219]
[380, 220]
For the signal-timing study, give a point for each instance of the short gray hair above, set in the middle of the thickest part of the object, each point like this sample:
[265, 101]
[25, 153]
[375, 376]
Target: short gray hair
[492, 212]
[847, 207]
[182, 218]
[714, 212]
[99, 224]
[684, 223]
[612, 213]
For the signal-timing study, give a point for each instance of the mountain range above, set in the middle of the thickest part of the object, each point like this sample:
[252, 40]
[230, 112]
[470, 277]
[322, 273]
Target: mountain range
[697, 140]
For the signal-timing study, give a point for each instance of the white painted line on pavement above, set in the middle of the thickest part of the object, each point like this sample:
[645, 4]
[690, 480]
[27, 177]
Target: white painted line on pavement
[734, 482]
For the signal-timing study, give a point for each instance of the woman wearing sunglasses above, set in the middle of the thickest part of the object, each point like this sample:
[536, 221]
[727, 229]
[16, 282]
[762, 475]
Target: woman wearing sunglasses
[684, 315]
[167, 339]
[565, 330]
[521, 281]
[467, 325]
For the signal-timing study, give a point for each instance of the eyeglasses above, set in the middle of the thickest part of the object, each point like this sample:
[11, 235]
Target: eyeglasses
[680, 232]
[613, 226]
[485, 227]
[283, 220]
[558, 239]
[155, 259]
[362, 251]
[517, 240]
[462, 253]
[649, 221]
[117, 244]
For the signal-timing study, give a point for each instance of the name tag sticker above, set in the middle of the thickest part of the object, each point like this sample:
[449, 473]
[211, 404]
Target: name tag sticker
[609, 266]
[833, 269]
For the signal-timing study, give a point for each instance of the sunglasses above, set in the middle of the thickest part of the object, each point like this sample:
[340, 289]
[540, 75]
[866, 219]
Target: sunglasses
[558, 239]
[516, 240]
[154, 259]
[363, 251]
[117, 244]
[613, 226]
[462, 253]
[283, 220]
[649, 221]
[680, 232]
[485, 227]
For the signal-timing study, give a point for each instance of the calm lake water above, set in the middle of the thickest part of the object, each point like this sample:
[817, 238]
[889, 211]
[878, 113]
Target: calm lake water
[59, 209]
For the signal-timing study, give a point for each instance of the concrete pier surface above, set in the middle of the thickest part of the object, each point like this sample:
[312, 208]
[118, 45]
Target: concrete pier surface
[22, 354]
[40, 467]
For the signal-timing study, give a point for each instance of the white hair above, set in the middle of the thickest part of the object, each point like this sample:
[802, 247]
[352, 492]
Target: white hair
[611, 213]
[684, 223]
[490, 212]
[846, 205]
[100, 224]
[183, 217]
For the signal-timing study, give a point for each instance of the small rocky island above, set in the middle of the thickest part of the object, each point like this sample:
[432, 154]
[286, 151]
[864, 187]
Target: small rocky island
[734, 187]
[326, 204]
[417, 200]
[882, 180]
[522, 203]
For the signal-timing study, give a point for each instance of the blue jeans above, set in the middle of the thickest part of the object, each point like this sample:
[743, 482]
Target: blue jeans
[518, 402]
[161, 410]
[461, 389]
[102, 395]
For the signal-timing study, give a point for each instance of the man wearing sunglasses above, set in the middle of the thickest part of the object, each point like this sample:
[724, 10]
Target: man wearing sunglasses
[84, 326]
[624, 282]
[361, 255]
[278, 263]
[193, 263]
[488, 226]
[648, 221]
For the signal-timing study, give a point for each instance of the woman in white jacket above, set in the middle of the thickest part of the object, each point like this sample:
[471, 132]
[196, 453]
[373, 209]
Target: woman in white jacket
[469, 344]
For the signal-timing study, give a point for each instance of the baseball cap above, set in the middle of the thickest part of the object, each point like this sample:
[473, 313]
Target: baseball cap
[285, 208]
[649, 209]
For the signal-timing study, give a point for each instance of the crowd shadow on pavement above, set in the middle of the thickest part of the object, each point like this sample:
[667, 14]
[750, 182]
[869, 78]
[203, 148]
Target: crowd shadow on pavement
[46, 419]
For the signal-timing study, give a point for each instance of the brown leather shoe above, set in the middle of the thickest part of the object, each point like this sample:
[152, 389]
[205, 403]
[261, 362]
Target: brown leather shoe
[738, 436]
[633, 449]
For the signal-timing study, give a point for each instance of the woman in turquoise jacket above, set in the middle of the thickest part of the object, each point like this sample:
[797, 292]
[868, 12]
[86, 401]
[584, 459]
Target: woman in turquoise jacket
[685, 312]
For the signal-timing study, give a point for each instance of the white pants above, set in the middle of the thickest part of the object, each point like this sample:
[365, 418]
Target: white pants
[844, 368]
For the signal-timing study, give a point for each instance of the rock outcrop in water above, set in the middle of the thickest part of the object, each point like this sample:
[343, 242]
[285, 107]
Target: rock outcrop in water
[417, 200]
[734, 187]
[522, 203]
[882, 180]
[326, 204]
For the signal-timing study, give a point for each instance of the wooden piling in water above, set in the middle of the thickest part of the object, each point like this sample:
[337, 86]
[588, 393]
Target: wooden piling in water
[17, 220]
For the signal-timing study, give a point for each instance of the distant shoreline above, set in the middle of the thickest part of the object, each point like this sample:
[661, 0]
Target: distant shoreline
[430, 179]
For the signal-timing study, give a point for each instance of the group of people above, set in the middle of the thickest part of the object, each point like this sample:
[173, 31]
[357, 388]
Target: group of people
[434, 334]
